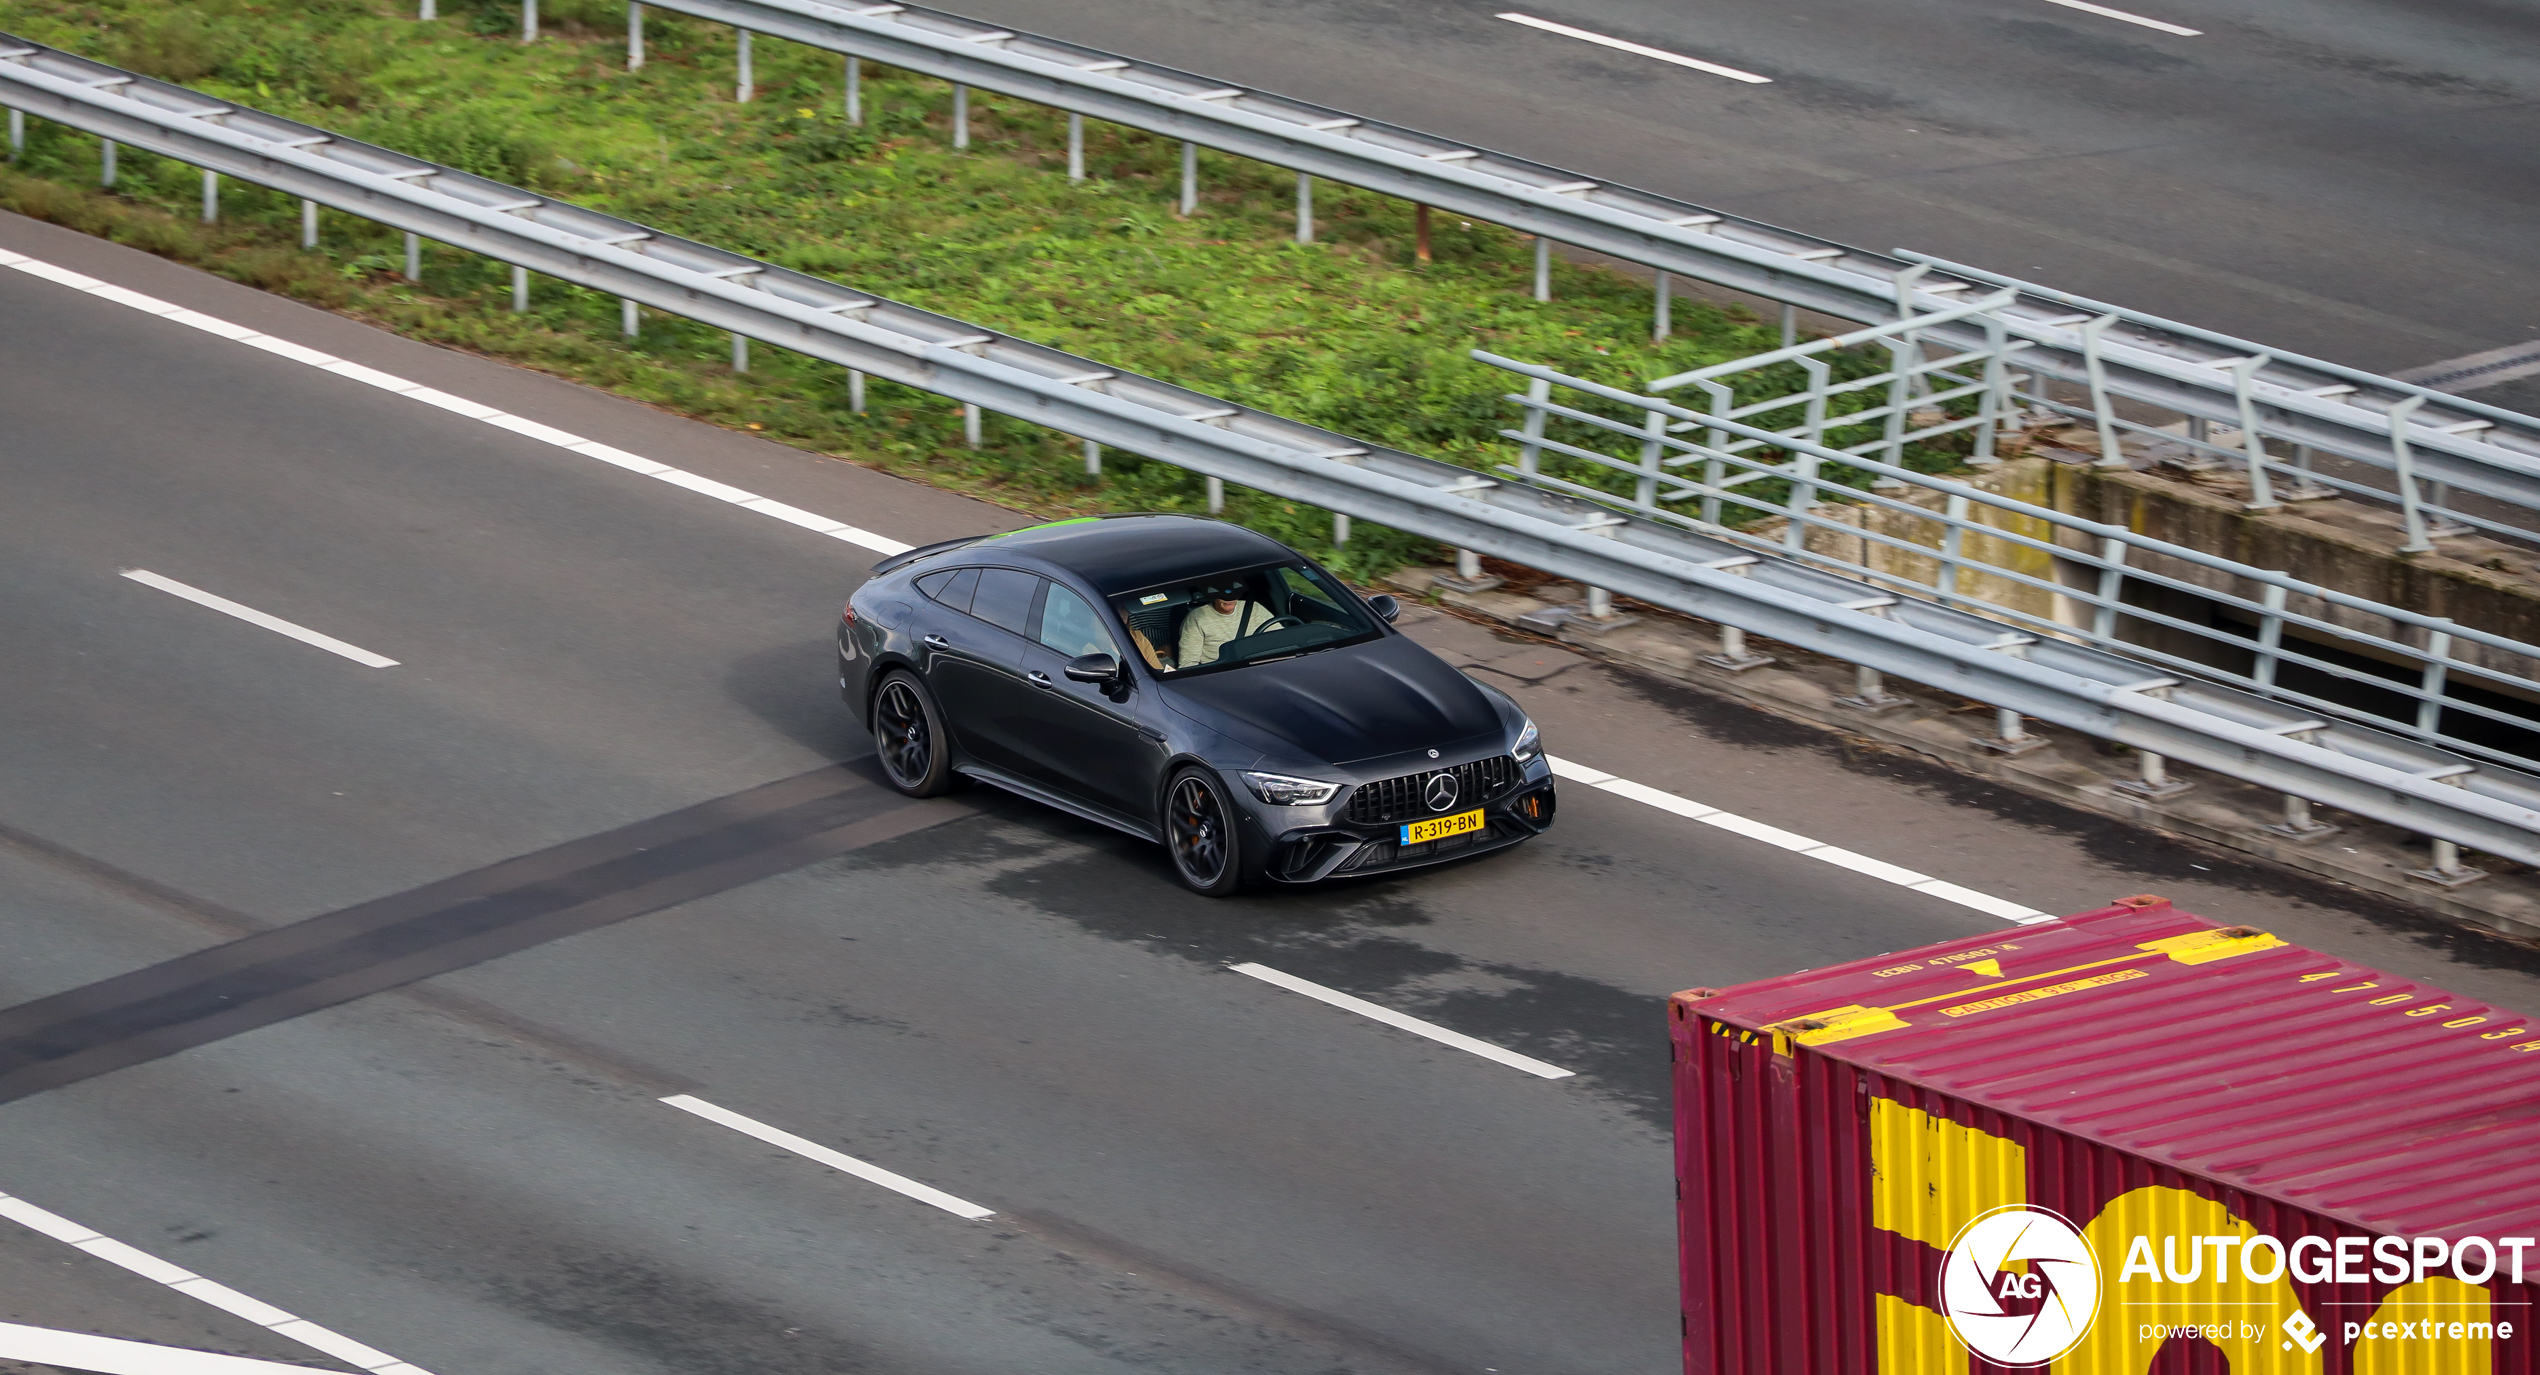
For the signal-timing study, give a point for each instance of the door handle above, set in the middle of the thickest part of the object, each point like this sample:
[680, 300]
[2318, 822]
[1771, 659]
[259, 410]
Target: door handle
[937, 642]
[1037, 679]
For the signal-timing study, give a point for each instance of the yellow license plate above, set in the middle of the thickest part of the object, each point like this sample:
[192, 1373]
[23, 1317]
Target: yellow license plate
[1438, 828]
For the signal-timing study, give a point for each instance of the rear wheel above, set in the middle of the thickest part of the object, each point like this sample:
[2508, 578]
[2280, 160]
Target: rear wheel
[1201, 833]
[908, 732]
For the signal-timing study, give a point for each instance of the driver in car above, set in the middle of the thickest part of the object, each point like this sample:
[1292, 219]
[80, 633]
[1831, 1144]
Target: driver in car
[1207, 629]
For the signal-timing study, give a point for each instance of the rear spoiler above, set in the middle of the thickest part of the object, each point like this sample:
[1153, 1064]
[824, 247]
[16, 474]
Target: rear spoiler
[908, 556]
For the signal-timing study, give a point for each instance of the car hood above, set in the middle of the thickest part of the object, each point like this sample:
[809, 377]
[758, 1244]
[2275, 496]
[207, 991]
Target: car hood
[1342, 705]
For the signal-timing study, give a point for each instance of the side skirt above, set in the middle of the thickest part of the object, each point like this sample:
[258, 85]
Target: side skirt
[1047, 798]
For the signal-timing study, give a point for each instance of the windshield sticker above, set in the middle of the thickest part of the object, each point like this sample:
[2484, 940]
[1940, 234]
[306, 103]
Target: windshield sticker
[1151, 600]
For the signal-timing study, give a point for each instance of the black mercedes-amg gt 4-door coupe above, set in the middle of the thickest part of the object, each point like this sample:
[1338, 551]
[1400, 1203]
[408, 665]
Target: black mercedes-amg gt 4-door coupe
[1193, 683]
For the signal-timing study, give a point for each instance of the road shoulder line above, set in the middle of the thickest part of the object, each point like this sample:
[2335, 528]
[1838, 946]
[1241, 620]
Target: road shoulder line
[1797, 844]
[416, 391]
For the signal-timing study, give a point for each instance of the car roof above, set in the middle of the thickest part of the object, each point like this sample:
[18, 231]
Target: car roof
[1124, 553]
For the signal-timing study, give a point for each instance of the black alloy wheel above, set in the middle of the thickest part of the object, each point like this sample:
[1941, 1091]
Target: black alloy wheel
[908, 732]
[1199, 829]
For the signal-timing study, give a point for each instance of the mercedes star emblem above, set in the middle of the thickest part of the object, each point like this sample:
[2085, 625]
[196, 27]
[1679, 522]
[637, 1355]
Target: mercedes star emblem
[1440, 792]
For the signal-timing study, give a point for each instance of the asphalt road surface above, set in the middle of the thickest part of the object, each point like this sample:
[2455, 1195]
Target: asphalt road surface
[2350, 179]
[1185, 1168]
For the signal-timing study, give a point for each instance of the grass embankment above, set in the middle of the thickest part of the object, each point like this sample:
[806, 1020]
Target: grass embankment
[1347, 333]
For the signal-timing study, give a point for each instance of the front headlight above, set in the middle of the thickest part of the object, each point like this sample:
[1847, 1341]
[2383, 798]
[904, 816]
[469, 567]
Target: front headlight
[1279, 790]
[1529, 744]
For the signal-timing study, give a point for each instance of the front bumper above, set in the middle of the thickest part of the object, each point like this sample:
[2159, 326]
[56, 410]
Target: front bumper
[1309, 854]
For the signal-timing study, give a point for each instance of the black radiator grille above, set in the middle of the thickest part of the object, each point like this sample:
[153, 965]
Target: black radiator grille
[1404, 799]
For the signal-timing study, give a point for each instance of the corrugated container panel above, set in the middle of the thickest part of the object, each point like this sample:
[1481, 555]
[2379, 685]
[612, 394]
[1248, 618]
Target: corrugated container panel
[2132, 1142]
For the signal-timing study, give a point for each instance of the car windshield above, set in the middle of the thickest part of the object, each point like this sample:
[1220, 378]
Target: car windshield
[1246, 617]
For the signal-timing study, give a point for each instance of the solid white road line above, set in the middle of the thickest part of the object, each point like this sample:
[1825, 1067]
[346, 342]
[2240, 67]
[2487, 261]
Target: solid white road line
[1579, 773]
[1628, 46]
[252, 616]
[2106, 13]
[114, 1356]
[1798, 844]
[1414, 1025]
[196, 1287]
[571, 443]
[847, 1164]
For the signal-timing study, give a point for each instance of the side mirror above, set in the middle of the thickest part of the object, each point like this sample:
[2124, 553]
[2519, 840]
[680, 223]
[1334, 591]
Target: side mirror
[1093, 668]
[1383, 604]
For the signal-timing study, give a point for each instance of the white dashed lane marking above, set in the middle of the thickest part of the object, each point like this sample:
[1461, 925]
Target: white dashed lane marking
[252, 616]
[1414, 1025]
[1639, 49]
[836, 1160]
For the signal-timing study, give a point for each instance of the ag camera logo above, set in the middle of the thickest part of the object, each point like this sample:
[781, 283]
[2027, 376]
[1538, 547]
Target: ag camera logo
[2026, 1317]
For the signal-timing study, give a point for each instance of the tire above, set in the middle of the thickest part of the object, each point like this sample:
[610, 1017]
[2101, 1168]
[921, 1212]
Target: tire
[1202, 835]
[908, 733]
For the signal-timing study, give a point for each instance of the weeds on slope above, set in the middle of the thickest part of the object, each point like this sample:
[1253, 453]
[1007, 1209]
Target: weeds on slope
[1349, 333]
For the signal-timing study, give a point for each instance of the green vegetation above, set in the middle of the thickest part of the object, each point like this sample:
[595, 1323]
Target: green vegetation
[1348, 333]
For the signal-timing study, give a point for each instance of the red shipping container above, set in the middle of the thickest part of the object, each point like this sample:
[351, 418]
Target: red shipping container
[2130, 1141]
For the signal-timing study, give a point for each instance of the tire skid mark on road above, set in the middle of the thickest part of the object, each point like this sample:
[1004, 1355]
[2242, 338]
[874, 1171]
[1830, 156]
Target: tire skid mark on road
[389, 382]
[202, 1290]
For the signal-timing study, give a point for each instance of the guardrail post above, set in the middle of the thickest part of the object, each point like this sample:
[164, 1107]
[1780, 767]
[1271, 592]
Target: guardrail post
[2111, 454]
[414, 257]
[2103, 621]
[852, 102]
[1995, 400]
[2155, 783]
[1543, 267]
[741, 356]
[1530, 449]
[2299, 826]
[745, 85]
[1093, 459]
[17, 134]
[1953, 544]
[1660, 325]
[961, 115]
[1468, 577]
[1190, 179]
[2402, 459]
[1790, 325]
[2270, 637]
[970, 426]
[2243, 373]
[855, 391]
[428, 11]
[1869, 686]
[1216, 496]
[1305, 207]
[528, 21]
[1734, 656]
[629, 318]
[1075, 146]
[211, 197]
[2430, 685]
[520, 291]
[105, 162]
[635, 36]
[2447, 870]
[2010, 735]
[308, 224]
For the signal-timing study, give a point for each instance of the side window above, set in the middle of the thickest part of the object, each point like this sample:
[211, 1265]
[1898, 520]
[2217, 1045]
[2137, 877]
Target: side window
[951, 587]
[1069, 626]
[1005, 597]
[1303, 598]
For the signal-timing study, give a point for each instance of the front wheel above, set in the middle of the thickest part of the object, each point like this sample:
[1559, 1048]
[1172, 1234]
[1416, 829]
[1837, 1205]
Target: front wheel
[908, 732]
[1201, 833]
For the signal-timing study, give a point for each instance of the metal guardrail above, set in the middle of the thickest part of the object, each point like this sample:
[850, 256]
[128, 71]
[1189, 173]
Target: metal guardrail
[1723, 463]
[1660, 563]
[2337, 410]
